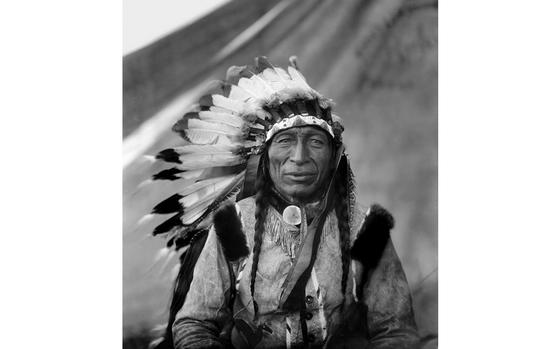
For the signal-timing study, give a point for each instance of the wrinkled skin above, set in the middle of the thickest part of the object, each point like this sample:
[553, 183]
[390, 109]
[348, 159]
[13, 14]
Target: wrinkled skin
[300, 161]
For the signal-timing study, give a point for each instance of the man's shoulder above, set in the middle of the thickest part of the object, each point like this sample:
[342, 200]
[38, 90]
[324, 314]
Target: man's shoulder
[247, 204]
[358, 215]
[247, 208]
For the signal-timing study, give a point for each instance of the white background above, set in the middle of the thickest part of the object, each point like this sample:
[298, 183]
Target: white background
[61, 93]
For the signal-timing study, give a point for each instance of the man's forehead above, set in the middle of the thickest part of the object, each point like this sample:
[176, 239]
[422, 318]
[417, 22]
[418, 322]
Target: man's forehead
[304, 131]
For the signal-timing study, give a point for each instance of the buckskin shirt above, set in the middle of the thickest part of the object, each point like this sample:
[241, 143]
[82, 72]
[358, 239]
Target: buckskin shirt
[206, 317]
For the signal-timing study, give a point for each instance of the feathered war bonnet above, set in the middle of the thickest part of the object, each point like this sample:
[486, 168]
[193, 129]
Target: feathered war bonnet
[226, 133]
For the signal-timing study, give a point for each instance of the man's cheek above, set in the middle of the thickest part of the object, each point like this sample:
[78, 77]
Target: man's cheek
[274, 172]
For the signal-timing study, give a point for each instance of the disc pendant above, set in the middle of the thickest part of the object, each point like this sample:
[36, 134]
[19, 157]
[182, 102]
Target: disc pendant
[292, 215]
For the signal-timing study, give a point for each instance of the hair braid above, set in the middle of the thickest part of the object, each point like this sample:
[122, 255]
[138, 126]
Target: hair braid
[261, 203]
[343, 216]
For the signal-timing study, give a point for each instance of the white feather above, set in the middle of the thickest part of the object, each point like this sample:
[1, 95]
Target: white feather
[298, 78]
[205, 193]
[175, 271]
[162, 253]
[197, 136]
[251, 144]
[191, 216]
[221, 118]
[144, 183]
[282, 74]
[252, 86]
[194, 174]
[197, 208]
[227, 103]
[149, 158]
[273, 79]
[197, 162]
[240, 94]
[170, 256]
[146, 218]
[155, 342]
[182, 250]
[208, 192]
[159, 328]
[222, 110]
[201, 184]
[209, 157]
[225, 140]
[207, 148]
[262, 85]
[196, 124]
[261, 114]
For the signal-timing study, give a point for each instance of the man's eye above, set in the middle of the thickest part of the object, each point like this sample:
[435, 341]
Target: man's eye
[315, 141]
[283, 140]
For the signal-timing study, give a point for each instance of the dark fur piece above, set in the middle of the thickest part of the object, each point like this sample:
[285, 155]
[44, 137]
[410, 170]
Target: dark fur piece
[372, 237]
[230, 232]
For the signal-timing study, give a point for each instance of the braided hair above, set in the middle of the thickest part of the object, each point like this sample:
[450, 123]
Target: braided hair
[342, 187]
[261, 205]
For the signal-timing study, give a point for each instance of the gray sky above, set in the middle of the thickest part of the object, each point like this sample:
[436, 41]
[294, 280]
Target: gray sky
[145, 21]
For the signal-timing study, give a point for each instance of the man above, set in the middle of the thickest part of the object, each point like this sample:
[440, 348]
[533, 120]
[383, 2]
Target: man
[302, 267]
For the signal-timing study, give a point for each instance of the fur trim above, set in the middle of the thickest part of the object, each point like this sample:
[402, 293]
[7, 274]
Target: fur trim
[230, 232]
[372, 237]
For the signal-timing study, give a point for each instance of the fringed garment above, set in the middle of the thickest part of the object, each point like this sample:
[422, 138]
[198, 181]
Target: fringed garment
[206, 320]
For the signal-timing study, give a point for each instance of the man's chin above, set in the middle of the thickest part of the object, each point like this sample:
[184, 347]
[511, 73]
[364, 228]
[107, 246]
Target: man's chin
[299, 191]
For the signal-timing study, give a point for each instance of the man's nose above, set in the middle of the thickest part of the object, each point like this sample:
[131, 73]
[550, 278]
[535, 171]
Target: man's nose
[299, 153]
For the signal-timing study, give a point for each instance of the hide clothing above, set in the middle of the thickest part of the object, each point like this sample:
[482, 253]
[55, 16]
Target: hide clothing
[219, 311]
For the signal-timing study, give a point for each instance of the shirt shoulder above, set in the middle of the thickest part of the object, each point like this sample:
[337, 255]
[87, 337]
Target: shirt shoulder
[358, 215]
[247, 207]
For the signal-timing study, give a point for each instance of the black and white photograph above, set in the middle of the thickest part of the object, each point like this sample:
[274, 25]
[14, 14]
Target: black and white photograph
[280, 175]
[243, 174]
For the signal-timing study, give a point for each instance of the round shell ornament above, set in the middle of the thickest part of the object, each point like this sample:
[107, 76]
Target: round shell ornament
[292, 215]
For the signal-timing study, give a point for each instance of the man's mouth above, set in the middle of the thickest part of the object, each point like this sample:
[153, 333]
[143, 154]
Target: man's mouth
[300, 176]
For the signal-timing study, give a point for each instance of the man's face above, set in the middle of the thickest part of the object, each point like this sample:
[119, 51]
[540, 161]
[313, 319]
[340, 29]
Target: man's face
[299, 160]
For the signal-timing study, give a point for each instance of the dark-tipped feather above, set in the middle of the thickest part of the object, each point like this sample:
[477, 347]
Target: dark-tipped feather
[169, 205]
[262, 63]
[293, 62]
[169, 155]
[169, 174]
[183, 123]
[230, 232]
[169, 224]
[205, 102]
[235, 73]
[372, 237]
[229, 192]
[218, 87]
